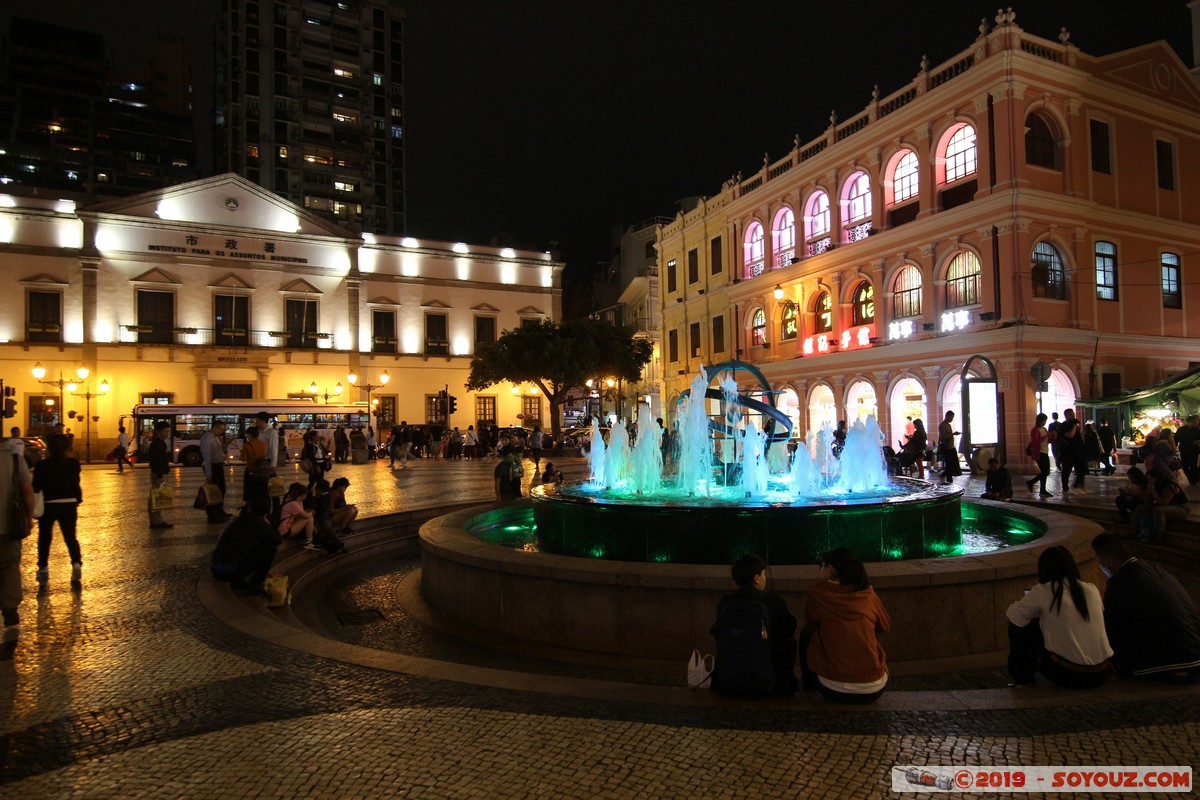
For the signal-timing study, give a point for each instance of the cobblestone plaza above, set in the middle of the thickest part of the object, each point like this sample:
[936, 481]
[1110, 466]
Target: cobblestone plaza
[140, 687]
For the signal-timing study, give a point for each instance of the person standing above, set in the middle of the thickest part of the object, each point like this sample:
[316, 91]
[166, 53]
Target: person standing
[1039, 450]
[1054, 442]
[14, 444]
[1187, 439]
[341, 445]
[313, 456]
[12, 537]
[946, 450]
[406, 443]
[212, 453]
[57, 478]
[372, 445]
[472, 443]
[254, 452]
[160, 464]
[535, 446]
[122, 450]
[1108, 446]
[1072, 453]
[508, 475]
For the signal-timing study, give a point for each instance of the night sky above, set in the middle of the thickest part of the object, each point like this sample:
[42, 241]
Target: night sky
[553, 121]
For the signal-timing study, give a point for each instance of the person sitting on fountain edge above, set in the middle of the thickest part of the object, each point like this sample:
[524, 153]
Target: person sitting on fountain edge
[998, 483]
[755, 633]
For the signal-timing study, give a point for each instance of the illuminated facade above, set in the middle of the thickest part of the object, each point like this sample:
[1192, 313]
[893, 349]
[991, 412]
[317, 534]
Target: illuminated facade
[309, 101]
[1023, 201]
[218, 288]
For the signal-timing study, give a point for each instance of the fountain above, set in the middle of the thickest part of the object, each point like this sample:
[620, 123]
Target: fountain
[633, 561]
[721, 499]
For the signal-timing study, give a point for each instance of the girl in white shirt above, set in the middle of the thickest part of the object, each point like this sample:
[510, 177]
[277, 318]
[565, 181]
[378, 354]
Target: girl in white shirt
[1057, 628]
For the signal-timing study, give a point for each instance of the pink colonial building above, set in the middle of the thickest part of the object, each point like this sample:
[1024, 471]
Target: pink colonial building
[1023, 201]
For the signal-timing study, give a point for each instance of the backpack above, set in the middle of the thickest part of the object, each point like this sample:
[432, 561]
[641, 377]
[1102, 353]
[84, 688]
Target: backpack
[743, 665]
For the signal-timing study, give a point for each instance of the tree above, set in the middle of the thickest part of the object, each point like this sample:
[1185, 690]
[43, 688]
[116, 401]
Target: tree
[557, 357]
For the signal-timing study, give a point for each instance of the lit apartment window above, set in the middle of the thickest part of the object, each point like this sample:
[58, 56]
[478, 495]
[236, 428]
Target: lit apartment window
[1106, 271]
[962, 156]
[343, 73]
[783, 232]
[755, 254]
[343, 186]
[1049, 278]
[1172, 296]
[906, 294]
[905, 177]
[858, 198]
[962, 280]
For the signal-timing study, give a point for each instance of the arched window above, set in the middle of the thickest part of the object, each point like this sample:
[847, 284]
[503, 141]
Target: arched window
[1049, 278]
[755, 253]
[905, 178]
[962, 280]
[789, 322]
[906, 296]
[816, 223]
[856, 198]
[783, 237]
[1106, 271]
[864, 304]
[758, 327]
[962, 156]
[1041, 149]
[824, 309]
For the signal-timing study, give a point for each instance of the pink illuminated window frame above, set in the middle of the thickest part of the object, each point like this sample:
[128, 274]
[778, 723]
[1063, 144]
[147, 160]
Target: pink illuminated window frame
[857, 198]
[816, 217]
[962, 155]
[784, 236]
[905, 178]
[755, 249]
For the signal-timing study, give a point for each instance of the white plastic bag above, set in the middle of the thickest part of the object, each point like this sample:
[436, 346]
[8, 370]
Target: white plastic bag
[699, 670]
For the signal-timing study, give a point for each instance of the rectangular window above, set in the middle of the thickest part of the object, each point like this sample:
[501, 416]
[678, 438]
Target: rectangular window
[1101, 148]
[714, 256]
[383, 331]
[672, 346]
[157, 399]
[437, 338]
[1106, 270]
[1110, 384]
[433, 410]
[531, 407]
[485, 330]
[1172, 295]
[231, 320]
[385, 414]
[693, 266]
[672, 283]
[485, 410]
[301, 319]
[718, 334]
[155, 317]
[44, 319]
[694, 338]
[1165, 155]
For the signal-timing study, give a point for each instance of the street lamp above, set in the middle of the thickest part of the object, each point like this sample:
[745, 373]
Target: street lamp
[313, 389]
[39, 374]
[86, 395]
[370, 387]
[778, 292]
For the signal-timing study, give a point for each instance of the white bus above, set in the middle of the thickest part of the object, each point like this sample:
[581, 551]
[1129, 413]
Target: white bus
[294, 417]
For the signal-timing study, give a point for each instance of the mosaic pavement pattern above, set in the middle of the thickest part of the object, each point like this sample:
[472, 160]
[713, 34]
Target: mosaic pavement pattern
[132, 689]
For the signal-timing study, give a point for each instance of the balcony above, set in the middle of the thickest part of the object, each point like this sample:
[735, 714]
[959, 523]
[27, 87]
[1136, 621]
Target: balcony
[223, 337]
[35, 332]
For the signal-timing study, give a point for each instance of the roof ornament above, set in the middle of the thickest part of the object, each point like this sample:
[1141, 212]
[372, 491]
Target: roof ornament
[983, 26]
[1064, 35]
[924, 63]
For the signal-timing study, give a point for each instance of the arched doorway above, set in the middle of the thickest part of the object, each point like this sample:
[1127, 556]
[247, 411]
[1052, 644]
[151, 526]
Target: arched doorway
[822, 410]
[789, 404]
[951, 401]
[906, 401]
[1059, 394]
[861, 402]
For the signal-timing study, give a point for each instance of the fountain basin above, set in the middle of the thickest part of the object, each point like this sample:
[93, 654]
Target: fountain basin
[940, 608]
[916, 520]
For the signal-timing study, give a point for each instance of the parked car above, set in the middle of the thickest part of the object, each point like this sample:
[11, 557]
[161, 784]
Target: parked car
[35, 449]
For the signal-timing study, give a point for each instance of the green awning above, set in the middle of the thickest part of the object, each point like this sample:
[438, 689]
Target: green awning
[1183, 388]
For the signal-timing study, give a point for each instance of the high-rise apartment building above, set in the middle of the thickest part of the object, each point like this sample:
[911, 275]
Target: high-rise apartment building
[70, 123]
[309, 104]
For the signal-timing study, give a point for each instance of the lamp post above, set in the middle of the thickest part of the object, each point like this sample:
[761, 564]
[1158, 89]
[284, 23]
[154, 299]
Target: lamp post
[337, 391]
[368, 388]
[86, 395]
[39, 374]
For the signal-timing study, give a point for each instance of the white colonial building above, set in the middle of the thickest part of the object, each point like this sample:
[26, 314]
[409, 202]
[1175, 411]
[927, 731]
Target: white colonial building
[220, 289]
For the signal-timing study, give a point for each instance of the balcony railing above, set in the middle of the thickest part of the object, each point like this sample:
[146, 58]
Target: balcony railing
[224, 337]
[43, 333]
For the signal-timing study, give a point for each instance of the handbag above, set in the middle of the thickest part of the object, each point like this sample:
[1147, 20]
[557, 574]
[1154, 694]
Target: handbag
[276, 487]
[18, 519]
[212, 493]
[162, 497]
[306, 465]
[276, 586]
[1029, 449]
[699, 671]
[39, 505]
[201, 501]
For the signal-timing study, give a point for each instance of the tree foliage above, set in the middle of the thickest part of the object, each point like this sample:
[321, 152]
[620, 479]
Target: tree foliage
[558, 357]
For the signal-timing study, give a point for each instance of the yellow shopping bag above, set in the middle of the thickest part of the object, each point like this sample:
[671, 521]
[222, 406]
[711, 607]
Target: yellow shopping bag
[162, 497]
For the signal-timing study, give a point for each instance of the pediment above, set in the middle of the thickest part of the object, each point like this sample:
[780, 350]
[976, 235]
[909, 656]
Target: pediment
[156, 275]
[486, 307]
[382, 300]
[230, 281]
[42, 279]
[435, 304]
[529, 311]
[1153, 69]
[227, 201]
[299, 286]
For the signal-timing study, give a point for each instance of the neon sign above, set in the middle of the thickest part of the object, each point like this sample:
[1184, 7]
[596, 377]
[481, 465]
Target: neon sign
[857, 338]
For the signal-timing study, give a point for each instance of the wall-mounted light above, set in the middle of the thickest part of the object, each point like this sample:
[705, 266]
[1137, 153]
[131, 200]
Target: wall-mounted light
[778, 292]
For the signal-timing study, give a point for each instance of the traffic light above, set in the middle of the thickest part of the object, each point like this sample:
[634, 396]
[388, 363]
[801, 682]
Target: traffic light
[10, 402]
[451, 405]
